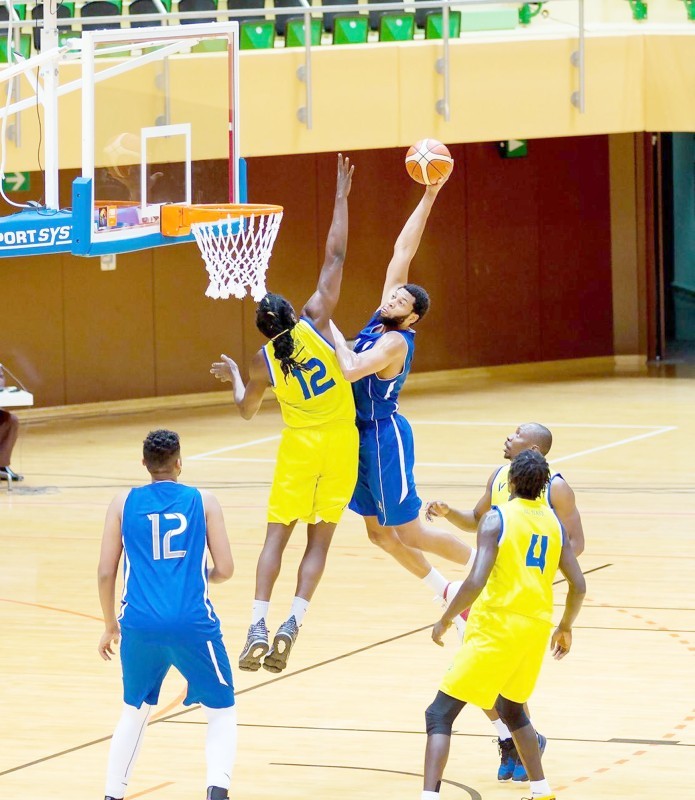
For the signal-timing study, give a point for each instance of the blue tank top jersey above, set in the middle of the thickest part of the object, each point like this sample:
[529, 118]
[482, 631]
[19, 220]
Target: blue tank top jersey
[165, 580]
[376, 398]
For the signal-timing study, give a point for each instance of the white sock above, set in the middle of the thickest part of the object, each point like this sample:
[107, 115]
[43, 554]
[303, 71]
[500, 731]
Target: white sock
[435, 581]
[220, 746]
[299, 609]
[540, 788]
[125, 746]
[429, 796]
[502, 730]
[260, 611]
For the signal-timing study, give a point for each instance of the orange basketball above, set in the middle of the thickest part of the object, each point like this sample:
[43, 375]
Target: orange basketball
[428, 160]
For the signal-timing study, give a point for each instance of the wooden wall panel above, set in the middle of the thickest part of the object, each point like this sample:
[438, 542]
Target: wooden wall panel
[574, 219]
[31, 310]
[109, 329]
[503, 255]
[516, 258]
[190, 329]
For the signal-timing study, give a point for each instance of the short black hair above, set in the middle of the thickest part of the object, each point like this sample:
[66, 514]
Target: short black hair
[421, 300]
[540, 435]
[160, 449]
[275, 318]
[529, 472]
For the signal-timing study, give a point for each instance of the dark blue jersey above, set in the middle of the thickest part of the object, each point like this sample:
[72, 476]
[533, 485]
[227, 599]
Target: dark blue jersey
[376, 398]
[165, 580]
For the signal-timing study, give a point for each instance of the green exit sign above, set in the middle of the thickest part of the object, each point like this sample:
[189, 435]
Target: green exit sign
[514, 148]
[16, 182]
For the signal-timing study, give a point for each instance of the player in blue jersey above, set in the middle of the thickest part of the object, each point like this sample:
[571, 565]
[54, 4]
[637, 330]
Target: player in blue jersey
[385, 494]
[164, 530]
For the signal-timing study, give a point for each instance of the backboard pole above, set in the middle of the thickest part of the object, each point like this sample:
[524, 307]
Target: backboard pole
[49, 40]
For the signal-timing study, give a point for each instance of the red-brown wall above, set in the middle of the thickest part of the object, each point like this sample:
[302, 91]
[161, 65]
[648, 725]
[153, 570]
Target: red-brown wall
[516, 258]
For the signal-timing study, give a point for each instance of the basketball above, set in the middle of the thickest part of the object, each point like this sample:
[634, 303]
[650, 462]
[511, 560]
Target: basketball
[428, 160]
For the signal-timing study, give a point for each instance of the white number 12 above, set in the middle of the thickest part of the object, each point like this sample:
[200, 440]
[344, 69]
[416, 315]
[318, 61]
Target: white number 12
[156, 548]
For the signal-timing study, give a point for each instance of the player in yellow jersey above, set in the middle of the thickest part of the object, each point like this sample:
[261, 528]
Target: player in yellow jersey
[521, 545]
[559, 496]
[316, 466]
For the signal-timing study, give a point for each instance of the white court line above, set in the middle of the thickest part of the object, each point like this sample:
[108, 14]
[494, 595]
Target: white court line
[554, 461]
[550, 425]
[234, 447]
[242, 460]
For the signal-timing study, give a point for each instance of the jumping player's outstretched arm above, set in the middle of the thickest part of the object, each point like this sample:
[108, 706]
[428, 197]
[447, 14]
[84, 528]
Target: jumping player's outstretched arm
[247, 397]
[465, 520]
[109, 558]
[322, 303]
[408, 242]
[390, 350]
[561, 641]
[488, 534]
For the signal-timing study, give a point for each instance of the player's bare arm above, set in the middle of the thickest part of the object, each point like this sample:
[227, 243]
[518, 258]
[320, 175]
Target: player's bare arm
[465, 520]
[487, 543]
[565, 507]
[109, 558]
[385, 359]
[217, 539]
[408, 242]
[322, 303]
[561, 641]
[247, 397]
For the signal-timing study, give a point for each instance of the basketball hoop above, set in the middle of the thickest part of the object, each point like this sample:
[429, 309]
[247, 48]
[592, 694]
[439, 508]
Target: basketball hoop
[236, 242]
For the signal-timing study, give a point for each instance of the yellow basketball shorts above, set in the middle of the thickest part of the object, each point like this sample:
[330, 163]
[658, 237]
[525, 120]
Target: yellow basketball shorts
[501, 654]
[315, 473]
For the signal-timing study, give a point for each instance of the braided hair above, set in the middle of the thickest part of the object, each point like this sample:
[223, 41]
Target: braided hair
[275, 319]
[160, 449]
[529, 472]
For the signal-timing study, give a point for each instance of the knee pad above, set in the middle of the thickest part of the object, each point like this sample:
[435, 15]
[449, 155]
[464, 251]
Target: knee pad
[511, 713]
[440, 716]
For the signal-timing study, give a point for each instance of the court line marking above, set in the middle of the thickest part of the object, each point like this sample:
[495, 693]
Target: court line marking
[229, 448]
[651, 430]
[147, 791]
[515, 425]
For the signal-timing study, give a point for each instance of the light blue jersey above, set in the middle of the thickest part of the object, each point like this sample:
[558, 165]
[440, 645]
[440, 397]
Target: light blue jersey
[376, 398]
[165, 577]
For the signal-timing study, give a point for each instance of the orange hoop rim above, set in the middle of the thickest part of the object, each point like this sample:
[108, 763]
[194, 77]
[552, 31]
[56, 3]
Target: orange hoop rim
[176, 218]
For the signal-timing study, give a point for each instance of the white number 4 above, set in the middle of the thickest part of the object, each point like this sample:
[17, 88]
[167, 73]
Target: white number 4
[166, 544]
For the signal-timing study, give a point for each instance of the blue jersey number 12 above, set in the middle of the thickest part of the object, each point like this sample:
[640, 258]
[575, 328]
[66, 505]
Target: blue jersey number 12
[161, 547]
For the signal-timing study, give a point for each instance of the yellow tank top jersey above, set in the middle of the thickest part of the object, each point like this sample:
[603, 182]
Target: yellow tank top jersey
[499, 492]
[521, 580]
[318, 396]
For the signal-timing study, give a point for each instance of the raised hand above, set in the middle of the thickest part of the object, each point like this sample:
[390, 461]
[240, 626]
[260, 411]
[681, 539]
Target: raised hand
[345, 170]
[225, 370]
[436, 508]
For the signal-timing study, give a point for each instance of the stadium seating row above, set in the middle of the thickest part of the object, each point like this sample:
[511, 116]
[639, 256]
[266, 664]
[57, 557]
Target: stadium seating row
[255, 32]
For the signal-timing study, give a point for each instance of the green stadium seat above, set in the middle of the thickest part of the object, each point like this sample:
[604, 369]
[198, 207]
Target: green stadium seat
[294, 32]
[350, 29]
[258, 35]
[24, 47]
[434, 26]
[197, 5]
[101, 8]
[146, 7]
[329, 16]
[20, 8]
[396, 27]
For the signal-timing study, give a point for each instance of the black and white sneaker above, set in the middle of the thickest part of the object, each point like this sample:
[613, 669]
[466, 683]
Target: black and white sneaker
[276, 660]
[7, 474]
[255, 648]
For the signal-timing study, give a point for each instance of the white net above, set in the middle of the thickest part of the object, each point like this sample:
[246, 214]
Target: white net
[236, 253]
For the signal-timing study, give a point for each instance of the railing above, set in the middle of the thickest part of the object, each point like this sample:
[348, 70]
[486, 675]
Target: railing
[304, 74]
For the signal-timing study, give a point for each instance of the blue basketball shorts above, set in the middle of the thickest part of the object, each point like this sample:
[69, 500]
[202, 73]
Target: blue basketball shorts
[385, 483]
[146, 658]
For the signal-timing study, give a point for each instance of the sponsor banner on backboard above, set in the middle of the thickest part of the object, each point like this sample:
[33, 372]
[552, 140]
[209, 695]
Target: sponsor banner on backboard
[34, 232]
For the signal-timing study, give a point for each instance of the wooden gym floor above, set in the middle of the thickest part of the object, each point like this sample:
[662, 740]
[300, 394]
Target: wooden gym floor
[346, 719]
